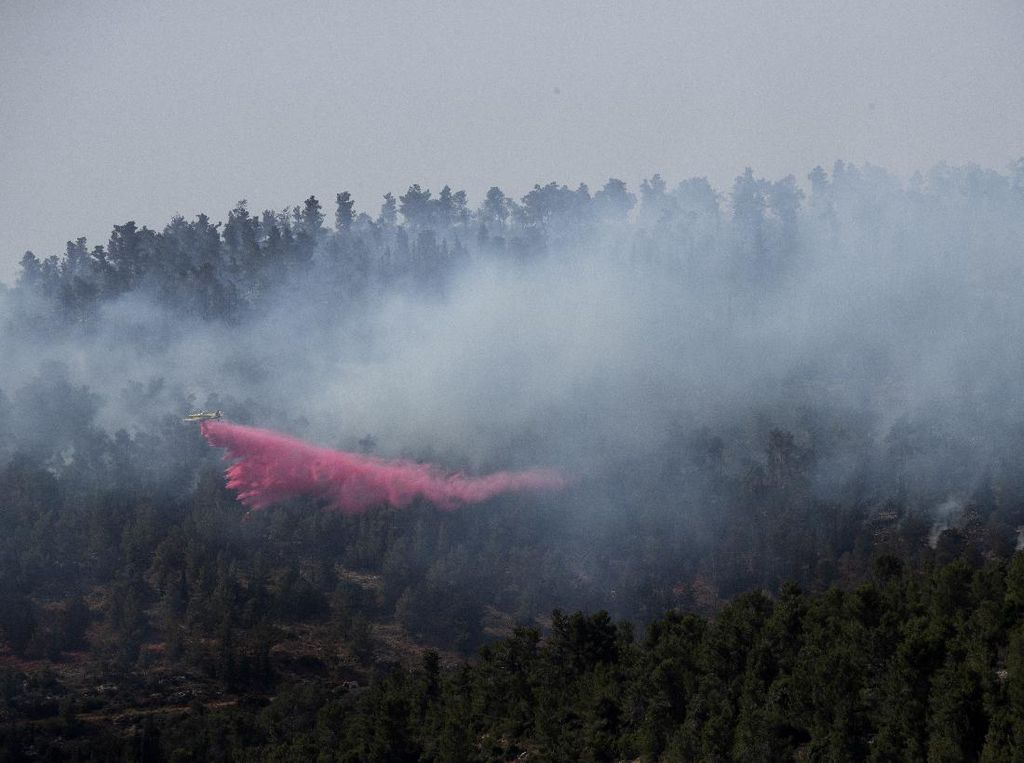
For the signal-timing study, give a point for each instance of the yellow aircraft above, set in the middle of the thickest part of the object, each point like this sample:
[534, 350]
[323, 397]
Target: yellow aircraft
[204, 416]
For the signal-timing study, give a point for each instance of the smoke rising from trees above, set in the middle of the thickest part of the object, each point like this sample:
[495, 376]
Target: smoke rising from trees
[742, 373]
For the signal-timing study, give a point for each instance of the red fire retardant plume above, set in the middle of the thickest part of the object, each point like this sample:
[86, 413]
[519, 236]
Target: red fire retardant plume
[270, 467]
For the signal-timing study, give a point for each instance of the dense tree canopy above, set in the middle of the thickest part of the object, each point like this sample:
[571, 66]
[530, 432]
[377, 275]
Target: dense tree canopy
[829, 573]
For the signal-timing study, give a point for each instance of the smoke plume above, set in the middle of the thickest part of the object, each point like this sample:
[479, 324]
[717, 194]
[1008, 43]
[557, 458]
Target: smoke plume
[270, 467]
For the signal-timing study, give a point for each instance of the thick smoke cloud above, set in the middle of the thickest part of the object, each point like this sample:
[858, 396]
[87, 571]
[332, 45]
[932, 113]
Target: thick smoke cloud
[270, 467]
[878, 322]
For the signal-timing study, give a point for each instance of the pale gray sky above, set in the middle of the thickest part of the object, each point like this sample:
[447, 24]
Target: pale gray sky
[111, 111]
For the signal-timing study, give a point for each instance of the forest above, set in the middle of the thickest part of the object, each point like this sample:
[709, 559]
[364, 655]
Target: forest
[789, 413]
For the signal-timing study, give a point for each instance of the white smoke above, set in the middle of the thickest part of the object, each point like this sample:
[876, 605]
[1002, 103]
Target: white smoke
[944, 514]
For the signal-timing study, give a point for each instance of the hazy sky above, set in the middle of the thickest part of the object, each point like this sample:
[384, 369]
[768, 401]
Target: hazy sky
[111, 111]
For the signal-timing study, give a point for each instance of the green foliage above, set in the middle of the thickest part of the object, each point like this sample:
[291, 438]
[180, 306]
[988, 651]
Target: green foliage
[913, 666]
[127, 545]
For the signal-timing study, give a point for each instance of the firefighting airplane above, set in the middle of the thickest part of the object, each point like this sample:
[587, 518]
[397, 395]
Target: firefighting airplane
[204, 416]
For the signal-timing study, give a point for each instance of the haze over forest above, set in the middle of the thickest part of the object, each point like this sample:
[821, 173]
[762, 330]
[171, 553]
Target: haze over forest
[142, 110]
[701, 322]
[857, 345]
[748, 389]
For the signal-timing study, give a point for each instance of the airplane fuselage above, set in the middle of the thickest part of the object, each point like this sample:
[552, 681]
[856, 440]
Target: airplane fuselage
[204, 416]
